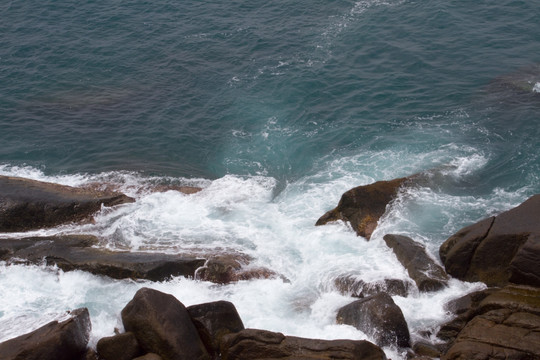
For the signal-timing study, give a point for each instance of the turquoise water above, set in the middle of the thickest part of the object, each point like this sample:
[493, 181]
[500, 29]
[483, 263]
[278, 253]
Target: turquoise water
[275, 109]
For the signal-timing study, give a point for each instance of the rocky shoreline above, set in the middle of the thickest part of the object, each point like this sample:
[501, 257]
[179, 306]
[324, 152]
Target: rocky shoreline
[502, 321]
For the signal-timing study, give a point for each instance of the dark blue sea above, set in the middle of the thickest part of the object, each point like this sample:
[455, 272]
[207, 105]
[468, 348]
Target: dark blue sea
[274, 108]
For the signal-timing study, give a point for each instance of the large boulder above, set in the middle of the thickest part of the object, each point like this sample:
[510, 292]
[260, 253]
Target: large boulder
[215, 320]
[379, 317]
[28, 204]
[162, 325]
[427, 274]
[66, 340]
[363, 206]
[251, 344]
[75, 252]
[498, 250]
[494, 324]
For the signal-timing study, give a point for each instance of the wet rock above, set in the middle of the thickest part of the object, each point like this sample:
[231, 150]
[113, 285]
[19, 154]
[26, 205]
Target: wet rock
[28, 204]
[421, 268]
[73, 252]
[252, 344]
[119, 347]
[353, 286]
[379, 317]
[362, 206]
[422, 348]
[501, 323]
[149, 356]
[162, 325]
[64, 340]
[498, 250]
[215, 320]
[228, 268]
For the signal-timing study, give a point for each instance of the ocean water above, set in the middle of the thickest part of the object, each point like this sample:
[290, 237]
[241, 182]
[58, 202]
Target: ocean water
[274, 109]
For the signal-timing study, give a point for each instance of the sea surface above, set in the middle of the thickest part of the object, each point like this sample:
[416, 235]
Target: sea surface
[274, 108]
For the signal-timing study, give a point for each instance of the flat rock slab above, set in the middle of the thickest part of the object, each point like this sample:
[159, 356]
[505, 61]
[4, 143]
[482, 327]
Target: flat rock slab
[250, 344]
[74, 253]
[421, 268]
[498, 250]
[28, 204]
[66, 340]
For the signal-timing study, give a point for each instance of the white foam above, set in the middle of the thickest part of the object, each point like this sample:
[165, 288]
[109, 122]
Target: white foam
[536, 87]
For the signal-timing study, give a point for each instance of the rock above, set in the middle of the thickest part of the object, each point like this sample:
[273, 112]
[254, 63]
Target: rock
[162, 325]
[28, 204]
[427, 275]
[501, 323]
[422, 348]
[379, 317]
[498, 250]
[362, 206]
[64, 340]
[251, 344]
[215, 320]
[91, 355]
[73, 252]
[119, 347]
[228, 268]
[149, 356]
[353, 286]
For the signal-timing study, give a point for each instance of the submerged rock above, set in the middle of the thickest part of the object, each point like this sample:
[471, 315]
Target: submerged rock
[363, 206]
[74, 252]
[353, 286]
[28, 204]
[64, 340]
[498, 250]
[379, 317]
[251, 344]
[421, 268]
[228, 268]
[162, 325]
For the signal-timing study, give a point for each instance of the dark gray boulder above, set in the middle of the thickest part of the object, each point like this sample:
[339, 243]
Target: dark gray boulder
[119, 347]
[215, 320]
[498, 250]
[162, 325]
[28, 204]
[66, 340]
[427, 274]
[379, 317]
[251, 344]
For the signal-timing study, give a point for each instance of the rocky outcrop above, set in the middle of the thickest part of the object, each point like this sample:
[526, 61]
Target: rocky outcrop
[64, 340]
[379, 317]
[215, 320]
[498, 250]
[253, 344]
[28, 204]
[354, 286]
[427, 275]
[495, 324]
[75, 252]
[362, 206]
[119, 347]
[162, 325]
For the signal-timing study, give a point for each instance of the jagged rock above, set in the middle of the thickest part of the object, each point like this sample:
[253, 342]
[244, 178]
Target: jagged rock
[215, 320]
[119, 347]
[228, 268]
[379, 317]
[421, 268]
[353, 286]
[501, 323]
[64, 340]
[28, 204]
[251, 344]
[498, 250]
[162, 325]
[362, 206]
[73, 252]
